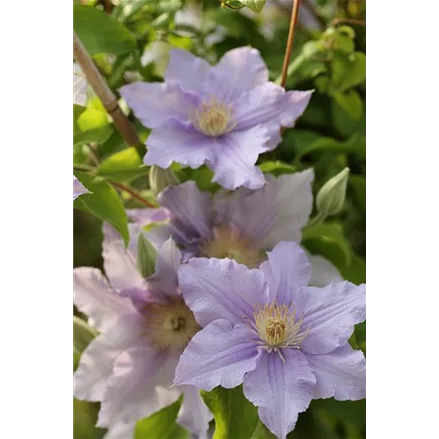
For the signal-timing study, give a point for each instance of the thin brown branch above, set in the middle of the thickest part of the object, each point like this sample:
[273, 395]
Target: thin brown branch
[290, 41]
[133, 193]
[108, 6]
[338, 21]
[104, 93]
[83, 168]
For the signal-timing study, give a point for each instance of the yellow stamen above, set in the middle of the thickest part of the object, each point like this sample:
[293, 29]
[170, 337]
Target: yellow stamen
[213, 118]
[277, 327]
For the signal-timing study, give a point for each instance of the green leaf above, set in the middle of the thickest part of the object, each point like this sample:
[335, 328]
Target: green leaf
[355, 272]
[356, 144]
[146, 256]
[332, 234]
[161, 425]
[235, 416]
[351, 103]
[358, 184]
[100, 32]
[254, 5]
[92, 118]
[84, 420]
[83, 334]
[124, 165]
[348, 71]
[351, 411]
[103, 202]
[77, 111]
[344, 123]
[276, 167]
[96, 135]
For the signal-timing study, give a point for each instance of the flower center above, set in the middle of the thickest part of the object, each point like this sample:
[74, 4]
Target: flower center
[231, 243]
[213, 118]
[169, 325]
[277, 327]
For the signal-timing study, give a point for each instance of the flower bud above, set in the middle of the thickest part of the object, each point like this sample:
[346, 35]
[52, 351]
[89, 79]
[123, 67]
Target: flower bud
[146, 257]
[331, 196]
[160, 178]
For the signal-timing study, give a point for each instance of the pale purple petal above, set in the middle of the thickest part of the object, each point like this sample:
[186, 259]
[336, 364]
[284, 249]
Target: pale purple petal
[189, 71]
[237, 72]
[287, 272]
[323, 271]
[138, 297]
[280, 389]
[164, 282]
[190, 212]
[330, 314]
[271, 106]
[132, 392]
[94, 296]
[219, 355]
[96, 363]
[277, 212]
[145, 217]
[120, 262]
[78, 188]
[155, 103]
[121, 431]
[270, 103]
[194, 415]
[221, 289]
[176, 141]
[236, 154]
[340, 374]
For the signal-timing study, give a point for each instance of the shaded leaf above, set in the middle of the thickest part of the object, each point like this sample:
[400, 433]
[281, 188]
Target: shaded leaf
[161, 425]
[356, 144]
[235, 416]
[96, 135]
[330, 233]
[100, 32]
[104, 202]
[276, 168]
[124, 165]
[254, 5]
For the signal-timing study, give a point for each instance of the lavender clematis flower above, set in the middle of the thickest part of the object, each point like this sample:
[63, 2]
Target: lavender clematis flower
[241, 225]
[145, 325]
[78, 188]
[287, 342]
[222, 116]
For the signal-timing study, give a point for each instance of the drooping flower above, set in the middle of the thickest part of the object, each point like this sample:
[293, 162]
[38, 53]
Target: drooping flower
[145, 325]
[287, 342]
[78, 188]
[223, 116]
[241, 225]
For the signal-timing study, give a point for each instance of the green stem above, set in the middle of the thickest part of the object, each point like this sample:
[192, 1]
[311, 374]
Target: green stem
[320, 217]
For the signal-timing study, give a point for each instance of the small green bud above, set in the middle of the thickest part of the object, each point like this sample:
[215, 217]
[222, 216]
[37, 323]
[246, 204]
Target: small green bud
[146, 257]
[331, 196]
[160, 178]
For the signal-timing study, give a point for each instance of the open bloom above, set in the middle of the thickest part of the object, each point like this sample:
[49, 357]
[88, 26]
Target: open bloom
[78, 188]
[287, 342]
[222, 116]
[145, 325]
[241, 225]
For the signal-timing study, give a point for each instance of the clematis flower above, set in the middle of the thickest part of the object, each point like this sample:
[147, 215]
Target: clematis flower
[222, 116]
[78, 188]
[241, 225]
[287, 342]
[145, 325]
